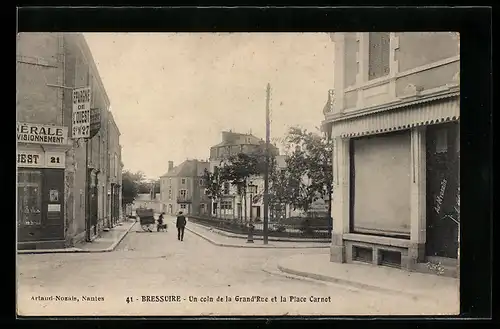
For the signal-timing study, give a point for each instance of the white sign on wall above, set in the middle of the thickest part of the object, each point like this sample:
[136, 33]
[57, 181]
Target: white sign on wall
[40, 159]
[55, 160]
[41, 134]
[31, 159]
[81, 113]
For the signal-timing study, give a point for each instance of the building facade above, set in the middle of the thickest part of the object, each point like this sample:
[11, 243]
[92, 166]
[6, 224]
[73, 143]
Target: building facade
[231, 205]
[394, 118]
[114, 192]
[182, 188]
[60, 202]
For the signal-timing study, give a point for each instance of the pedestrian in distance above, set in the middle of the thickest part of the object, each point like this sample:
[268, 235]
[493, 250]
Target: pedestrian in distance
[161, 225]
[181, 224]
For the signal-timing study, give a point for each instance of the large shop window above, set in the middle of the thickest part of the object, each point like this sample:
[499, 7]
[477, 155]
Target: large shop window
[29, 197]
[381, 184]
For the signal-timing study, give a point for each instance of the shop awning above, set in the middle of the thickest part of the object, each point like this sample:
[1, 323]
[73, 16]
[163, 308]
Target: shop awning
[417, 114]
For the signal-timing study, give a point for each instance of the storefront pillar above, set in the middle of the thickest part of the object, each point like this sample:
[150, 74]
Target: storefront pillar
[416, 251]
[341, 197]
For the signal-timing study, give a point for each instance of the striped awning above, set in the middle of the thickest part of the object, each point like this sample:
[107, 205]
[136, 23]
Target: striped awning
[426, 113]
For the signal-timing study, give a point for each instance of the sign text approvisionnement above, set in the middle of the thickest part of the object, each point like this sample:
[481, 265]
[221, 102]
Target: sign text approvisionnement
[41, 134]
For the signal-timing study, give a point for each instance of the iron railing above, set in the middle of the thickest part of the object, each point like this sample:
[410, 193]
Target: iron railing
[184, 199]
[306, 228]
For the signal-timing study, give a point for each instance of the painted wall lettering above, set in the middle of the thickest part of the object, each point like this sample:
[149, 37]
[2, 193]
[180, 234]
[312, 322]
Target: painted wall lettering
[31, 158]
[55, 159]
[440, 197]
[28, 159]
[40, 159]
[41, 134]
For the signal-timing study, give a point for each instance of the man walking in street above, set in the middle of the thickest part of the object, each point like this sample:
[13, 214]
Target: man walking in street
[181, 224]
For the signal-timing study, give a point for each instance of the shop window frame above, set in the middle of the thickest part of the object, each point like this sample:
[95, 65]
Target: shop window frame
[20, 222]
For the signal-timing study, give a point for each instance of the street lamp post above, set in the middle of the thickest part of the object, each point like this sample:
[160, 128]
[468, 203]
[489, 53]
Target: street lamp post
[250, 225]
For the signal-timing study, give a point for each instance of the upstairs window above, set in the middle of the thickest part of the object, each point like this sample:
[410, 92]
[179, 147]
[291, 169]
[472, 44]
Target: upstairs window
[183, 181]
[378, 55]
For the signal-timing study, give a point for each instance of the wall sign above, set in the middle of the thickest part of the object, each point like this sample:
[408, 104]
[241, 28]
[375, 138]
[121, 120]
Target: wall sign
[95, 121]
[40, 159]
[30, 159]
[55, 159]
[41, 134]
[53, 207]
[81, 113]
[54, 195]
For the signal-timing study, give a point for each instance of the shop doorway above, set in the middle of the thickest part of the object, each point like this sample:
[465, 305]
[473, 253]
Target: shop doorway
[40, 205]
[443, 156]
[93, 202]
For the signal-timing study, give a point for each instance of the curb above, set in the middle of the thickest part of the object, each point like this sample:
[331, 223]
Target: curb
[120, 239]
[252, 246]
[78, 250]
[273, 270]
[354, 284]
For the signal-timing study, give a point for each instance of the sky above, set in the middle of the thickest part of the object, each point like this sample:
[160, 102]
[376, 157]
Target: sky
[172, 94]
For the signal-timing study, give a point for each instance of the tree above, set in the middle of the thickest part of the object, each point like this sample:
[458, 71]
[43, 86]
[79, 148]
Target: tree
[311, 157]
[130, 187]
[213, 184]
[238, 169]
[156, 184]
[279, 188]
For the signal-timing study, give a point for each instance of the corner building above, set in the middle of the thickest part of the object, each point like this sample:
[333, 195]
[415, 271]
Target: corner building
[394, 119]
[59, 201]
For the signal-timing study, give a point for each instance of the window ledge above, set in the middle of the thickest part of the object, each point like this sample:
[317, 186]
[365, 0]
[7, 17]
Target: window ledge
[380, 240]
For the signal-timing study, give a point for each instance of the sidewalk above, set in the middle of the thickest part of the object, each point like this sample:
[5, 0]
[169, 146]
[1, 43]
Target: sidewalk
[369, 277]
[226, 241]
[107, 241]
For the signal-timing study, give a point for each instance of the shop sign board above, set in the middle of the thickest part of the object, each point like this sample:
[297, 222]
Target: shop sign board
[95, 121]
[81, 113]
[40, 159]
[41, 134]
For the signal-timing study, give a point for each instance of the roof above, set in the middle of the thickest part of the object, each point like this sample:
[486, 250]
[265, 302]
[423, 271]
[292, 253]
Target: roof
[232, 138]
[188, 168]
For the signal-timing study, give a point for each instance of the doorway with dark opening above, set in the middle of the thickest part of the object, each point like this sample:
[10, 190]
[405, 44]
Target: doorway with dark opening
[442, 184]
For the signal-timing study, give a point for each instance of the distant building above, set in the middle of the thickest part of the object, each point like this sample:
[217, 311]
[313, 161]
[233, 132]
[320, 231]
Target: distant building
[182, 188]
[149, 201]
[231, 205]
[233, 143]
[394, 119]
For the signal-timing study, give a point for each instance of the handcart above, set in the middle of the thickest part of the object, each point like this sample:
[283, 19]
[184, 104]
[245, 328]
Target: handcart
[146, 218]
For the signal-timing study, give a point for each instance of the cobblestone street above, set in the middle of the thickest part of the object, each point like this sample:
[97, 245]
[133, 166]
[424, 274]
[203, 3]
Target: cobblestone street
[157, 264]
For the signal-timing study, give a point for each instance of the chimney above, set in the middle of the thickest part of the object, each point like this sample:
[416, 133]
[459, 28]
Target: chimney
[170, 165]
[226, 136]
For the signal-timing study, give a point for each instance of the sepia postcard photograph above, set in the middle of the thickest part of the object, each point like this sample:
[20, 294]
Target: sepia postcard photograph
[238, 174]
